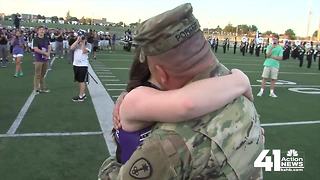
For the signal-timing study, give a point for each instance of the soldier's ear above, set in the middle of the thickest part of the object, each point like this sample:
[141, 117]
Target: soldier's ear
[162, 75]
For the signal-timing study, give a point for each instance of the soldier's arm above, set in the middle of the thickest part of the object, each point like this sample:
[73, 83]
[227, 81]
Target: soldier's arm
[145, 104]
[156, 159]
[109, 170]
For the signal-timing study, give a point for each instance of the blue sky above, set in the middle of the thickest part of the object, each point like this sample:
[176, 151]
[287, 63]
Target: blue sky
[275, 15]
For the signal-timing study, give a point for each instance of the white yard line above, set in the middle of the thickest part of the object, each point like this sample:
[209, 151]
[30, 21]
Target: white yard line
[110, 80]
[102, 70]
[115, 89]
[103, 105]
[290, 123]
[119, 68]
[115, 84]
[50, 134]
[104, 73]
[284, 85]
[285, 73]
[15, 125]
[107, 76]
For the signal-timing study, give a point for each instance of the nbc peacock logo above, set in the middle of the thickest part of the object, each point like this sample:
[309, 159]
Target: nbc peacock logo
[292, 152]
[292, 162]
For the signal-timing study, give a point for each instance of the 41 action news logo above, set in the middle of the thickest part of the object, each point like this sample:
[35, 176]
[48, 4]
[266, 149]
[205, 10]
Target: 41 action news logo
[291, 161]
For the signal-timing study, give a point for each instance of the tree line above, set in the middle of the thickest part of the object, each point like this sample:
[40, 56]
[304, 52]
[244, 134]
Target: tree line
[249, 30]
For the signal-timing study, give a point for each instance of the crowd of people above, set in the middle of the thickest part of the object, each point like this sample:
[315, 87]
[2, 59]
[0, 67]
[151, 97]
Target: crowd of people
[309, 51]
[45, 44]
[17, 41]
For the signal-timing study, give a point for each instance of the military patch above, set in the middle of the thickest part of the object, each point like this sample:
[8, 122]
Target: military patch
[141, 169]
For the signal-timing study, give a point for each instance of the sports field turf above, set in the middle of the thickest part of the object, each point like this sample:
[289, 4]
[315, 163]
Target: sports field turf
[79, 156]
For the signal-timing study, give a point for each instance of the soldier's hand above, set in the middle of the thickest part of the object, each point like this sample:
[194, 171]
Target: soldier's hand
[115, 113]
[109, 170]
[244, 77]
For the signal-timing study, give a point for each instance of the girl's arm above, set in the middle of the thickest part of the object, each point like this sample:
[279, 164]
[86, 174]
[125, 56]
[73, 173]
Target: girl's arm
[144, 104]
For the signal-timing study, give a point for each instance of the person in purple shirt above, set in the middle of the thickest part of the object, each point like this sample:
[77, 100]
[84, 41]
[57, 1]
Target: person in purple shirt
[42, 49]
[17, 43]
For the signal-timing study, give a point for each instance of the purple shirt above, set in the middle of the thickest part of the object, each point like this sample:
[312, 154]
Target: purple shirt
[130, 141]
[17, 44]
[42, 44]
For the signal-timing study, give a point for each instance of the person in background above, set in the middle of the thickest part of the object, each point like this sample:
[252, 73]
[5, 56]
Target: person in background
[95, 45]
[80, 65]
[3, 49]
[309, 54]
[235, 46]
[59, 44]
[274, 54]
[113, 42]
[71, 39]
[18, 43]
[42, 49]
[224, 46]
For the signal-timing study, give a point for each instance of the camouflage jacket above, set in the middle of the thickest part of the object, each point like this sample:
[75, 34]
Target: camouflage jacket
[220, 145]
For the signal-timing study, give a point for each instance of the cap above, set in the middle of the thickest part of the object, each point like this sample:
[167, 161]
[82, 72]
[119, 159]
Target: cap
[166, 31]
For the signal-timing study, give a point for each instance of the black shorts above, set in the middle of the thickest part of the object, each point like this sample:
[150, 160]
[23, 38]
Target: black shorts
[80, 73]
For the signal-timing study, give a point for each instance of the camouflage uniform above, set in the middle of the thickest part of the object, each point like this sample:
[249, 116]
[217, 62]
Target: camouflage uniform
[220, 145]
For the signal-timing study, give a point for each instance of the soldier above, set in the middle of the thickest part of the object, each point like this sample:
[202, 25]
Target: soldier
[222, 144]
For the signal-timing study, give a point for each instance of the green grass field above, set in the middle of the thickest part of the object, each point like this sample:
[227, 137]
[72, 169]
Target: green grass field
[79, 157]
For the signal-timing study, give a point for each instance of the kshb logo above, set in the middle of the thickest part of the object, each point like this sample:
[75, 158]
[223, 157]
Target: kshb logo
[289, 162]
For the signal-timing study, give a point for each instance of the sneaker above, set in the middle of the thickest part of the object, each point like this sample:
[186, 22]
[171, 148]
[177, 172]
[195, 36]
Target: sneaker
[44, 90]
[21, 74]
[260, 93]
[273, 95]
[78, 99]
[36, 92]
[16, 75]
